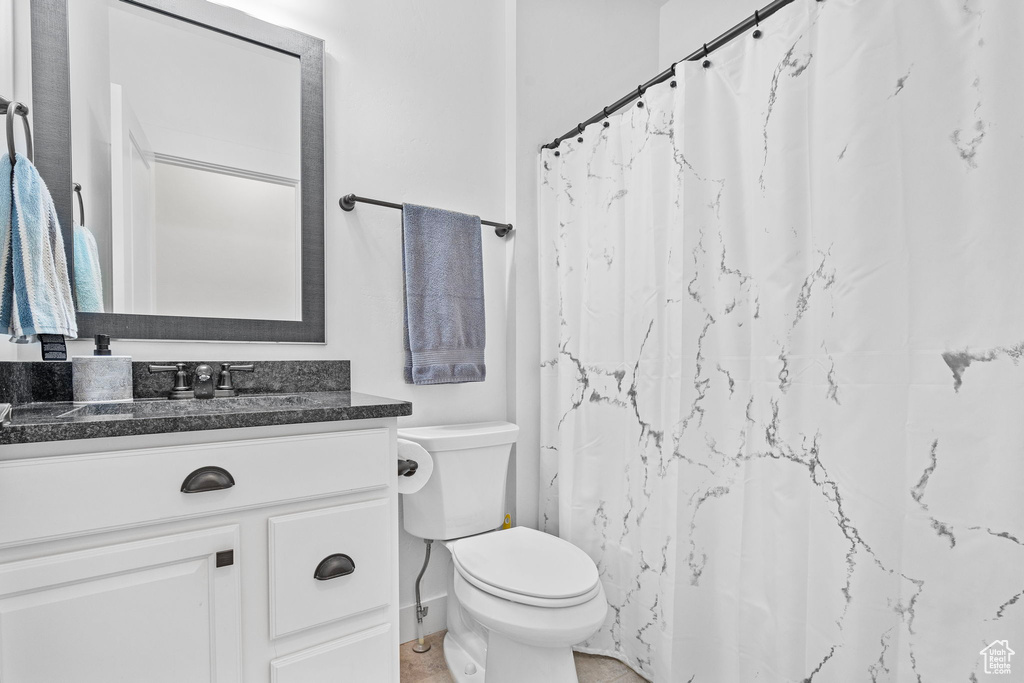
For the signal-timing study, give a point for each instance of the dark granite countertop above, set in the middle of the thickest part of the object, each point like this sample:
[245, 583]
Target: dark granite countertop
[63, 421]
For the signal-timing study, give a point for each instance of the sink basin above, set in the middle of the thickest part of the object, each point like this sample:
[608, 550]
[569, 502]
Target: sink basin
[167, 408]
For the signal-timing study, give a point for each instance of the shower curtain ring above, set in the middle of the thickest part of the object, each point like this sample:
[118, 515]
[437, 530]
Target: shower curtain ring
[579, 128]
[757, 24]
[707, 62]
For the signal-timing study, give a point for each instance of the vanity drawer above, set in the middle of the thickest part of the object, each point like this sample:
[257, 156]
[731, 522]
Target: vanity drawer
[365, 656]
[348, 546]
[64, 496]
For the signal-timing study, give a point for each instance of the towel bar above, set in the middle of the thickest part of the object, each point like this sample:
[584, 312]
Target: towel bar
[12, 109]
[348, 202]
[77, 187]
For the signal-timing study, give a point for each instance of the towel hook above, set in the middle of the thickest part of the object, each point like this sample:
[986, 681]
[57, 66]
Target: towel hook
[18, 109]
[81, 204]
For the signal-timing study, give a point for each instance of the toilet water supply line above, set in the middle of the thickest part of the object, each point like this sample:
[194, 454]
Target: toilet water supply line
[421, 611]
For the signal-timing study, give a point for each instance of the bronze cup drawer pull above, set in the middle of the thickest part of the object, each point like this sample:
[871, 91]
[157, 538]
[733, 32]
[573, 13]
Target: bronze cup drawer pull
[333, 566]
[210, 478]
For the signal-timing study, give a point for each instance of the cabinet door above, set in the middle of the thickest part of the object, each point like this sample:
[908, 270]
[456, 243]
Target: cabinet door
[155, 610]
[364, 657]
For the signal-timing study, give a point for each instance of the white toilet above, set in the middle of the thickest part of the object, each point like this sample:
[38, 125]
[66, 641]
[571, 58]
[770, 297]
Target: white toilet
[518, 599]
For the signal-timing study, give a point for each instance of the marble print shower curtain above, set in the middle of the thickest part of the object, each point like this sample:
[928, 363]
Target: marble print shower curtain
[783, 318]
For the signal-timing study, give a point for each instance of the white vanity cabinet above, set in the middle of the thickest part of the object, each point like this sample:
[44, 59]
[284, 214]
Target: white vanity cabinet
[152, 610]
[282, 566]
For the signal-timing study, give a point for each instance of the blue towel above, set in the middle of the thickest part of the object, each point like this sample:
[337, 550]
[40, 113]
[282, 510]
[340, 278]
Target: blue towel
[88, 277]
[35, 297]
[444, 296]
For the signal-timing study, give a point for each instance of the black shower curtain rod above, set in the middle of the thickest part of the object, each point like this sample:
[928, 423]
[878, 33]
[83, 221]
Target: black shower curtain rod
[700, 53]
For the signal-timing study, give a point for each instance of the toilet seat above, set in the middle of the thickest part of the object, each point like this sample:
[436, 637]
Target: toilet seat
[528, 567]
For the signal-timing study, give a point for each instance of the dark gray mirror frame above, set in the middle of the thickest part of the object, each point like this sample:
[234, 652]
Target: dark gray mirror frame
[51, 112]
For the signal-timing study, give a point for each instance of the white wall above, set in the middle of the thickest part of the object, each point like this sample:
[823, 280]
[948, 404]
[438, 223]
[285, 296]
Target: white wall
[415, 111]
[573, 57]
[224, 246]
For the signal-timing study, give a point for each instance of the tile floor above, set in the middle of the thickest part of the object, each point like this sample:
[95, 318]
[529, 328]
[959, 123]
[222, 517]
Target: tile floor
[429, 667]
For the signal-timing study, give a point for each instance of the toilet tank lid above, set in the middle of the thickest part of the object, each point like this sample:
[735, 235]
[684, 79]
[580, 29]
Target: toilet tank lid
[461, 436]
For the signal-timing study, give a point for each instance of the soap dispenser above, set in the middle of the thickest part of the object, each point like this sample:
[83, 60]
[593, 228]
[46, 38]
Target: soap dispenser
[101, 377]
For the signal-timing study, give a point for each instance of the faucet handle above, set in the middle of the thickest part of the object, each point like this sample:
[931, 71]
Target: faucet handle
[180, 367]
[181, 388]
[224, 380]
[241, 367]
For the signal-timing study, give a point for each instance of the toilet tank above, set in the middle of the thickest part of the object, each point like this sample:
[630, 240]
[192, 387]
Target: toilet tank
[465, 494]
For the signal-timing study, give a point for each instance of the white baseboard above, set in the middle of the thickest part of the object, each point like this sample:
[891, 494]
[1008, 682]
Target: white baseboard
[435, 620]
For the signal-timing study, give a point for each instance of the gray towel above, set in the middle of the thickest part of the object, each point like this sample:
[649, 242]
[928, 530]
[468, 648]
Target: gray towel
[444, 296]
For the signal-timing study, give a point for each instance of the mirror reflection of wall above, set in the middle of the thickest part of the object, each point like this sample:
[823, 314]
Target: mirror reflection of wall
[209, 221]
[186, 143]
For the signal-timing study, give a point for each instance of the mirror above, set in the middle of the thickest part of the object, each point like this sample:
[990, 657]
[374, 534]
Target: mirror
[189, 170]
[196, 147]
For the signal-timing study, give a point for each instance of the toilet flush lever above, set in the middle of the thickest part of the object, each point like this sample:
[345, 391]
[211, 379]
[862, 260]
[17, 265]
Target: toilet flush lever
[407, 468]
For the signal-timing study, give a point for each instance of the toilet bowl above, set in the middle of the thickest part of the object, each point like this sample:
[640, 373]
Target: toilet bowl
[518, 599]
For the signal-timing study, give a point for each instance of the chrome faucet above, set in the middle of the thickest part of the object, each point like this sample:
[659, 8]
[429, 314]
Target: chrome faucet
[202, 384]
